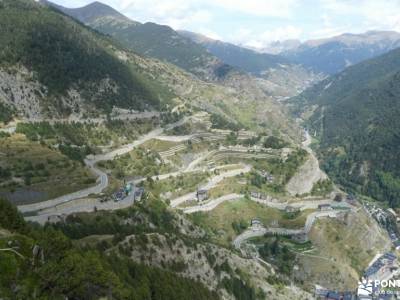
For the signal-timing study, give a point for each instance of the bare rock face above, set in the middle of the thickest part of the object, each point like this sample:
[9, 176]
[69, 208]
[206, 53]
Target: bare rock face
[308, 174]
[18, 90]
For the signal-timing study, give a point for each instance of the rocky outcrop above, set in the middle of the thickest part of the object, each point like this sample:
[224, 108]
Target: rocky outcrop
[308, 174]
[205, 262]
[21, 92]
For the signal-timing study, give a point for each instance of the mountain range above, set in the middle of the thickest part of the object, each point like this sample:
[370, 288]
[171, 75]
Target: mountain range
[321, 56]
[279, 75]
[211, 61]
[245, 59]
[148, 39]
[332, 55]
[67, 68]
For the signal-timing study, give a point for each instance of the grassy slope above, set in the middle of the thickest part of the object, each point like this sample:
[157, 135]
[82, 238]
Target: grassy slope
[348, 246]
[110, 133]
[33, 167]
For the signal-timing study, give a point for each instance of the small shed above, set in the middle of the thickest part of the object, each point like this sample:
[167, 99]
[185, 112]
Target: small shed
[201, 195]
[255, 195]
[324, 207]
[291, 209]
[351, 199]
[255, 222]
[300, 238]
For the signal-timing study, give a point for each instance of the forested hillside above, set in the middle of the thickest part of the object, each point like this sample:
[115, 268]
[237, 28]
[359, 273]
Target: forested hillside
[43, 263]
[355, 118]
[74, 66]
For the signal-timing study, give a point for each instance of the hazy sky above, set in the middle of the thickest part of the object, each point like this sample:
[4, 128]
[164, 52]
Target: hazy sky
[257, 22]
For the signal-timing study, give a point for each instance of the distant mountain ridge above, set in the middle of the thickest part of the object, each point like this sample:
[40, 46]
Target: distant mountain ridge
[333, 55]
[243, 58]
[352, 39]
[188, 50]
[278, 47]
[89, 13]
[278, 74]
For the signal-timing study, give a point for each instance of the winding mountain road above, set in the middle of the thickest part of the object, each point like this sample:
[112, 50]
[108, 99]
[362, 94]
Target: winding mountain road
[301, 205]
[79, 201]
[102, 180]
[210, 184]
[208, 206]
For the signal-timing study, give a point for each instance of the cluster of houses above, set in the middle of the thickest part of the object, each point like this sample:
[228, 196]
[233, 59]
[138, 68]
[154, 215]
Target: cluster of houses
[383, 217]
[379, 214]
[325, 207]
[323, 293]
[395, 239]
[383, 267]
[129, 190]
